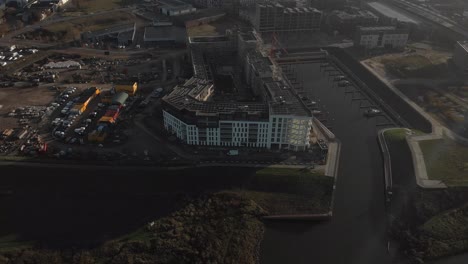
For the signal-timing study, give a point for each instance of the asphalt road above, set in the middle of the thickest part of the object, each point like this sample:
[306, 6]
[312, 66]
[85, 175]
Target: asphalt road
[8, 40]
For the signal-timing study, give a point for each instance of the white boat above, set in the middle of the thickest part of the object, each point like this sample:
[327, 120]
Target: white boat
[372, 112]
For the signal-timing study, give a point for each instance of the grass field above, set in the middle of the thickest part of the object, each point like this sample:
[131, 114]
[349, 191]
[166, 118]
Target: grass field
[397, 134]
[446, 161]
[72, 29]
[290, 191]
[13, 242]
[98, 5]
[415, 66]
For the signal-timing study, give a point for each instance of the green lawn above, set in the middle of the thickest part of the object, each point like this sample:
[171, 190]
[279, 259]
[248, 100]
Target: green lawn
[202, 30]
[397, 134]
[287, 203]
[414, 66]
[446, 161]
[98, 5]
[70, 30]
[13, 242]
[14, 158]
[290, 191]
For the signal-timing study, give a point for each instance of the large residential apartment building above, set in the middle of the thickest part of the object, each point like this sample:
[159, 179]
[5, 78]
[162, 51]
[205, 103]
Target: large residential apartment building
[381, 37]
[279, 18]
[278, 120]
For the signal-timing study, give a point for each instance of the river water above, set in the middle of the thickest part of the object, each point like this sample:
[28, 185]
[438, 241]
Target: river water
[357, 232]
[91, 205]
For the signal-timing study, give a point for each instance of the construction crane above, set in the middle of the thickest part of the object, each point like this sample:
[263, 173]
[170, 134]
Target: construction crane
[276, 45]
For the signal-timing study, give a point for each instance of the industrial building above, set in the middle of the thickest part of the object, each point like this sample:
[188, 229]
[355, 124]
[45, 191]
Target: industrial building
[230, 6]
[279, 119]
[120, 98]
[123, 34]
[16, 3]
[130, 89]
[460, 56]
[381, 37]
[175, 8]
[327, 4]
[55, 2]
[164, 36]
[346, 21]
[278, 18]
[390, 15]
[86, 97]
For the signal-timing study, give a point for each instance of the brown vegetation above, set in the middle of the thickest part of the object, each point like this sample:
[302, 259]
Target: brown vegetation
[219, 228]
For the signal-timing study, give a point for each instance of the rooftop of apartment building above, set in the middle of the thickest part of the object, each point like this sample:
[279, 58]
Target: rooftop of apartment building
[173, 3]
[184, 97]
[206, 39]
[280, 98]
[388, 29]
[283, 101]
[354, 13]
[290, 10]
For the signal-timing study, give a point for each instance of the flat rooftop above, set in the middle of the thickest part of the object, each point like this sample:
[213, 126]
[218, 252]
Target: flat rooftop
[392, 12]
[283, 101]
[208, 39]
[299, 10]
[183, 97]
[377, 28]
[111, 30]
[173, 3]
[163, 33]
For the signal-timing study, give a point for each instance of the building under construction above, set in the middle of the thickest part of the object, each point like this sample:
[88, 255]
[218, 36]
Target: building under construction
[279, 18]
[274, 117]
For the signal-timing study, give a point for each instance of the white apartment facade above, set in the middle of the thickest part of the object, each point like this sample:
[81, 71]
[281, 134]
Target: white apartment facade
[279, 132]
[381, 37]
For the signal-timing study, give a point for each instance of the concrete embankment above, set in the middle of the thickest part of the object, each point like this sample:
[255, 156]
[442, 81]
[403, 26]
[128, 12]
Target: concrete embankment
[331, 170]
[403, 108]
[387, 164]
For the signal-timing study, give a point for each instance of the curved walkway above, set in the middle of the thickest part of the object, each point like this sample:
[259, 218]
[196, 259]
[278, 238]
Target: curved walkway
[438, 130]
[420, 170]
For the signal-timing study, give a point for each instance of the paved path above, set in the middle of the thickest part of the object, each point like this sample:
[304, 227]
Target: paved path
[438, 132]
[420, 169]
[8, 39]
[437, 128]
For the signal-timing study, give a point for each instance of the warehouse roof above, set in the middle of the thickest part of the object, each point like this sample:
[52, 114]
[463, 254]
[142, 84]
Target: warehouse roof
[86, 94]
[388, 11]
[163, 33]
[109, 31]
[173, 3]
[120, 98]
